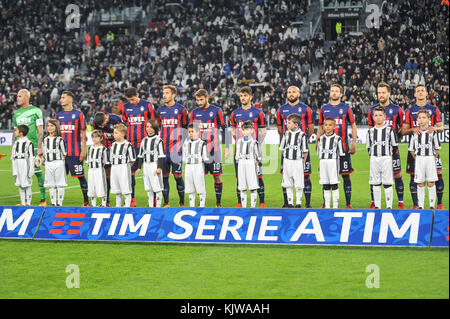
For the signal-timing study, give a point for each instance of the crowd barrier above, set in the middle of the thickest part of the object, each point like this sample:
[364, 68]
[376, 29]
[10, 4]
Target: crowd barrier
[414, 228]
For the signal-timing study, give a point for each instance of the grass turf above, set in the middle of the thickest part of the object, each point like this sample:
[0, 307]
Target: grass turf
[37, 269]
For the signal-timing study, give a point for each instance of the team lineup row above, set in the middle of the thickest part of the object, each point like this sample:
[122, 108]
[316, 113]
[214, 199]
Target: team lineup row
[154, 141]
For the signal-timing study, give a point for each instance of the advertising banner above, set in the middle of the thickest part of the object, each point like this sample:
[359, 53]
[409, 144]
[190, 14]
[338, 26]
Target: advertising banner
[19, 221]
[440, 229]
[230, 225]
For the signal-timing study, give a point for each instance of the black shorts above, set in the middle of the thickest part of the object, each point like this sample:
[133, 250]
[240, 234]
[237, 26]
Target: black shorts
[74, 166]
[173, 161]
[396, 162]
[307, 169]
[411, 164]
[345, 164]
[214, 165]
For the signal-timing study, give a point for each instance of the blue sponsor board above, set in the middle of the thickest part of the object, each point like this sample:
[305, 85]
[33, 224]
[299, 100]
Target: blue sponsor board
[440, 229]
[97, 223]
[298, 226]
[19, 221]
[227, 225]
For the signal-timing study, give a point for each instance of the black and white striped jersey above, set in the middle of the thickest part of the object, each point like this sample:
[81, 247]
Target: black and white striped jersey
[248, 149]
[121, 153]
[22, 149]
[424, 144]
[54, 148]
[194, 151]
[97, 156]
[380, 141]
[294, 144]
[330, 147]
[151, 149]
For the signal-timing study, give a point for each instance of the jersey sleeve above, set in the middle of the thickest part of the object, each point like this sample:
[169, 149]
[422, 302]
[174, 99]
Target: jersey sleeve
[62, 145]
[261, 120]
[408, 118]
[221, 118]
[39, 117]
[321, 117]
[437, 144]
[393, 138]
[161, 149]
[131, 153]
[304, 144]
[438, 118]
[82, 122]
[233, 120]
[184, 118]
[350, 117]
[279, 117]
[309, 116]
[341, 147]
[370, 118]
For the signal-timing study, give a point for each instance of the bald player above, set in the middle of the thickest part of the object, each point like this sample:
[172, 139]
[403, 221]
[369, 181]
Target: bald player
[294, 106]
[31, 116]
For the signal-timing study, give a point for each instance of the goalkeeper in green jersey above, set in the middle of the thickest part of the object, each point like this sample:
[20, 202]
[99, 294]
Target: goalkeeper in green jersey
[31, 116]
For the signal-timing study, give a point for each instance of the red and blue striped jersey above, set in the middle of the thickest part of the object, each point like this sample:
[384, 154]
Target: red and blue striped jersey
[301, 109]
[394, 117]
[239, 116]
[174, 120]
[210, 121]
[135, 117]
[71, 124]
[342, 115]
[411, 115]
[108, 129]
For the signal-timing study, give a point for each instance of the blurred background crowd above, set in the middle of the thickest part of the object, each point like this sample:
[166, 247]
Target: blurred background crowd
[219, 45]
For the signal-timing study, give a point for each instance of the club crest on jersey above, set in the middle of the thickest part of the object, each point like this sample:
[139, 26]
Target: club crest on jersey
[211, 114]
[142, 109]
[390, 111]
[341, 111]
[300, 109]
[73, 116]
[176, 111]
[251, 114]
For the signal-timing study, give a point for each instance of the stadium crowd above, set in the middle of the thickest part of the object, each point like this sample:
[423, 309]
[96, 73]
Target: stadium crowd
[218, 45]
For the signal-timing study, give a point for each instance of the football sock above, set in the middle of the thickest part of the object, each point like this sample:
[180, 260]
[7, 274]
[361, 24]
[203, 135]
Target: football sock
[307, 190]
[414, 191]
[432, 196]
[420, 195]
[84, 187]
[439, 188]
[388, 194]
[347, 189]
[261, 190]
[253, 197]
[166, 189]
[399, 188]
[180, 188]
[218, 188]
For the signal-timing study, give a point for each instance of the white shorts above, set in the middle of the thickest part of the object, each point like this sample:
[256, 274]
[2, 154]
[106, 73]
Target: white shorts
[121, 179]
[247, 175]
[194, 179]
[152, 182]
[22, 168]
[55, 174]
[425, 169]
[293, 173]
[329, 172]
[381, 171]
[96, 182]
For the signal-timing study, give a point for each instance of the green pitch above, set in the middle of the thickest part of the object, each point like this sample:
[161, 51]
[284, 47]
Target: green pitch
[37, 269]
